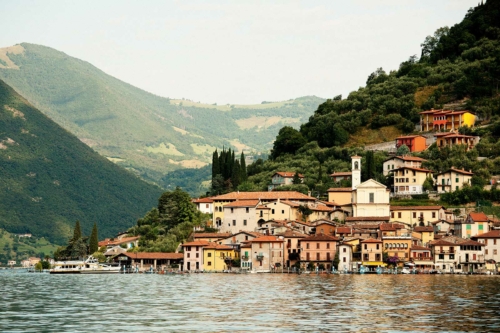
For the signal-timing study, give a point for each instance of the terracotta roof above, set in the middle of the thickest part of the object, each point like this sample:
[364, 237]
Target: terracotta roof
[415, 207]
[203, 200]
[321, 208]
[320, 238]
[292, 234]
[411, 168]
[341, 174]
[390, 226]
[489, 234]
[343, 230]
[242, 203]
[442, 242]
[196, 243]
[288, 174]
[340, 189]
[371, 240]
[424, 229]
[154, 255]
[366, 226]
[472, 243]
[407, 158]
[478, 217]
[274, 195]
[367, 218]
[266, 239]
[409, 137]
[244, 246]
[290, 203]
[211, 234]
[419, 248]
[457, 171]
[445, 221]
[215, 246]
[108, 242]
[262, 207]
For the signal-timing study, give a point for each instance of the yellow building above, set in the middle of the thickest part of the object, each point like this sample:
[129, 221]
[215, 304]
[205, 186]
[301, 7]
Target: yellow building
[371, 253]
[415, 214]
[409, 180]
[438, 120]
[424, 233]
[218, 257]
[398, 246]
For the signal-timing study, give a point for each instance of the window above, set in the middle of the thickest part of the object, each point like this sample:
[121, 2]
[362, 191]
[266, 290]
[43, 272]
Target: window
[433, 215]
[414, 215]
[372, 197]
[366, 247]
[456, 180]
[441, 256]
[246, 237]
[234, 222]
[486, 251]
[247, 210]
[188, 248]
[452, 256]
[392, 215]
[456, 188]
[307, 246]
[495, 252]
[272, 211]
[344, 250]
[317, 256]
[328, 246]
[328, 256]
[307, 256]
[209, 263]
[343, 259]
[282, 211]
[317, 245]
[244, 222]
[189, 255]
[399, 215]
[494, 242]
[197, 255]
[206, 206]
[261, 213]
[232, 210]
[209, 254]
[377, 246]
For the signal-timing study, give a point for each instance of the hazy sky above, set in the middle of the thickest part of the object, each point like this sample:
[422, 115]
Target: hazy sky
[233, 51]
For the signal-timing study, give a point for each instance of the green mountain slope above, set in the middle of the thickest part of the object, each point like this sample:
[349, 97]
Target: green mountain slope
[138, 130]
[49, 179]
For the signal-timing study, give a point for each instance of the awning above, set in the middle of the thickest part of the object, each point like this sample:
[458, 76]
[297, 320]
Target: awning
[374, 263]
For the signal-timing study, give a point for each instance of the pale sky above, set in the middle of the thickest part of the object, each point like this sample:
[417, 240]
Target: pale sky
[238, 52]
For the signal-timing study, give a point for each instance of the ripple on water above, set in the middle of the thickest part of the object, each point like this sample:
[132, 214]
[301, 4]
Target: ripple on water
[253, 302]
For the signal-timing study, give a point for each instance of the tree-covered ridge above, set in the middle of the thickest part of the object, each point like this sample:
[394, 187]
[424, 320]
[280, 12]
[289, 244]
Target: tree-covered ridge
[149, 134]
[50, 178]
[461, 63]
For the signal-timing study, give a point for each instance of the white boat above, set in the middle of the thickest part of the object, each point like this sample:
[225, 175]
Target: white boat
[89, 266]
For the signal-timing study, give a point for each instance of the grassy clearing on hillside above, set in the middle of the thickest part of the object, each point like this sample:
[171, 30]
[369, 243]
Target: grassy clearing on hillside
[229, 107]
[165, 149]
[264, 122]
[368, 136]
[15, 248]
[202, 149]
[188, 163]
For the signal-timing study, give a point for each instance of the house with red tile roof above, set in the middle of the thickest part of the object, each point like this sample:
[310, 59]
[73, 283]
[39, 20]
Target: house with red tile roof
[417, 214]
[239, 215]
[340, 195]
[318, 251]
[445, 255]
[474, 225]
[421, 257]
[157, 261]
[218, 257]
[409, 180]
[397, 162]
[453, 139]
[345, 251]
[438, 120]
[338, 176]
[267, 253]
[491, 241]
[371, 253]
[193, 255]
[204, 205]
[211, 237]
[471, 256]
[291, 241]
[452, 179]
[283, 178]
[424, 233]
[415, 143]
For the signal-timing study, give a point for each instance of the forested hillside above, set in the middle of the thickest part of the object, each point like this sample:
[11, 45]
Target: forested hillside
[459, 68]
[458, 65]
[49, 179]
[148, 134]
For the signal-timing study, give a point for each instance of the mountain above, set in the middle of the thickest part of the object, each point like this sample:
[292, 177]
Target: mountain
[49, 179]
[148, 134]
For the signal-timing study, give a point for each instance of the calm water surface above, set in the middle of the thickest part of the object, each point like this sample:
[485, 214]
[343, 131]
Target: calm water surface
[252, 302]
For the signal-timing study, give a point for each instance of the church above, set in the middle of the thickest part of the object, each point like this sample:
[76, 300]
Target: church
[369, 200]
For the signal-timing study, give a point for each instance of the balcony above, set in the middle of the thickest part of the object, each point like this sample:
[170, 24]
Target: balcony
[260, 257]
[472, 261]
[445, 251]
[245, 257]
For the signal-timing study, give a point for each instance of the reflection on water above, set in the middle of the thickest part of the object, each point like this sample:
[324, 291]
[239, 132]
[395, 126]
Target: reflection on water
[252, 302]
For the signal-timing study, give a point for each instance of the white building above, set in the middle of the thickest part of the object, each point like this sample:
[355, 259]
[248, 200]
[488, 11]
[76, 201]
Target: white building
[345, 257]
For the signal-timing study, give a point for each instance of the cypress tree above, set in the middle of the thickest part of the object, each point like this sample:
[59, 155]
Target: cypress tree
[215, 164]
[243, 168]
[77, 232]
[94, 240]
[236, 179]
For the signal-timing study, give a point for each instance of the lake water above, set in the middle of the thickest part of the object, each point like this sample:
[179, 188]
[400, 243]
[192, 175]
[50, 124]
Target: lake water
[252, 302]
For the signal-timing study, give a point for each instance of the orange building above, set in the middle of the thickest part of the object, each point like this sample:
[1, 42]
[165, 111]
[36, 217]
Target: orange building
[318, 249]
[438, 120]
[414, 142]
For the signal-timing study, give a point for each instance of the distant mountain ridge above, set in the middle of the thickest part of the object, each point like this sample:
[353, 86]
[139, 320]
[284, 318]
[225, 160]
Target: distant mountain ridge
[49, 179]
[148, 134]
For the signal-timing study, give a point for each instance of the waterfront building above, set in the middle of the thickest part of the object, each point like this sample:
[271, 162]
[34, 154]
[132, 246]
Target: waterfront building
[421, 256]
[345, 257]
[416, 214]
[397, 162]
[445, 255]
[372, 253]
[292, 240]
[491, 241]
[397, 242]
[415, 143]
[267, 253]
[193, 255]
[318, 250]
[409, 180]
[246, 256]
[471, 256]
[452, 180]
[151, 260]
[217, 257]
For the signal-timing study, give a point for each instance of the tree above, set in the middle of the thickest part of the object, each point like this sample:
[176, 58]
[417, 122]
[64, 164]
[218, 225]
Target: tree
[403, 150]
[305, 211]
[175, 208]
[77, 232]
[288, 141]
[336, 261]
[296, 179]
[369, 165]
[94, 240]
[243, 168]
[428, 184]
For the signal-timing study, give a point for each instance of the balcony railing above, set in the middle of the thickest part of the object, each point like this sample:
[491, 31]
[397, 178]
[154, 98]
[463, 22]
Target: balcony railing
[260, 257]
[446, 251]
[245, 257]
[471, 261]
